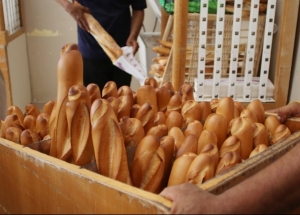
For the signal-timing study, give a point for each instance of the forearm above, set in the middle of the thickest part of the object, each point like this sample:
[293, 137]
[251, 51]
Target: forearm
[136, 23]
[274, 189]
[66, 4]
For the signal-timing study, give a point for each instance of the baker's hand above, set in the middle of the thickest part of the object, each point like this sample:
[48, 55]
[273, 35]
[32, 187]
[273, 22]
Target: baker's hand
[189, 199]
[76, 10]
[290, 110]
[133, 42]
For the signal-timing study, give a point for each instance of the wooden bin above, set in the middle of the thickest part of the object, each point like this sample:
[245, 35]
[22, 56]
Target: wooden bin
[33, 182]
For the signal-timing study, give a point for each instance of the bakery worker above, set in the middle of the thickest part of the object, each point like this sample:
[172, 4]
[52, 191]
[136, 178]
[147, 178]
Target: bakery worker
[3, 103]
[116, 18]
[275, 189]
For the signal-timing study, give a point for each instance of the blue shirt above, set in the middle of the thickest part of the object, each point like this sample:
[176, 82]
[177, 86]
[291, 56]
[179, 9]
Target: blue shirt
[115, 18]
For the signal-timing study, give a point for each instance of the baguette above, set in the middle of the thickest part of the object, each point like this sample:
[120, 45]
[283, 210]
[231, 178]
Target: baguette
[187, 92]
[114, 102]
[174, 119]
[191, 111]
[206, 137]
[94, 92]
[158, 131]
[69, 73]
[14, 110]
[205, 110]
[32, 109]
[165, 43]
[79, 125]
[68, 47]
[13, 134]
[146, 115]
[189, 145]
[226, 108]
[194, 127]
[201, 169]
[258, 149]
[260, 134]
[180, 169]
[249, 115]
[163, 51]
[110, 90]
[238, 108]
[178, 136]
[108, 142]
[271, 123]
[134, 110]
[214, 104]
[151, 81]
[147, 94]
[30, 122]
[42, 125]
[125, 102]
[159, 118]
[257, 107]
[229, 160]
[169, 86]
[48, 107]
[10, 121]
[231, 144]
[212, 150]
[107, 43]
[163, 96]
[280, 133]
[27, 137]
[174, 104]
[167, 144]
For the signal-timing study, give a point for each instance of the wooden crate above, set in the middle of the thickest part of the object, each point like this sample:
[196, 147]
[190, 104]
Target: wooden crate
[33, 182]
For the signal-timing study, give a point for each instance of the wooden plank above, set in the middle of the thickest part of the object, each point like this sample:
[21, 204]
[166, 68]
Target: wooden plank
[164, 21]
[32, 182]
[2, 24]
[179, 42]
[288, 23]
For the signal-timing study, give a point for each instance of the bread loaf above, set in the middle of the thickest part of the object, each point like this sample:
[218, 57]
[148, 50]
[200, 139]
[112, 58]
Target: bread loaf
[205, 110]
[226, 108]
[151, 81]
[32, 109]
[163, 51]
[145, 114]
[79, 125]
[10, 121]
[257, 107]
[114, 102]
[169, 86]
[174, 104]
[271, 123]
[29, 122]
[163, 96]
[168, 145]
[194, 127]
[220, 130]
[48, 107]
[13, 134]
[14, 110]
[180, 169]
[178, 136]
[68, 47]
[189, 145]
[231, 144]
[110, 90]
[187, 92]
[249, 115]
[108, 142]
[147, 94]
[158, 131]
[69, 73]
[229, 160]
[159, 118]
[280, 133]
[238, 108]
[125, 102]
[94, 92]
[42, 124]
[134, 110]
[174, 119]
[201, 169]
[191, 111]
[214, 104]
[206, 137]
[27, 137]
[258, 149]
[242, 129]
[260, 134]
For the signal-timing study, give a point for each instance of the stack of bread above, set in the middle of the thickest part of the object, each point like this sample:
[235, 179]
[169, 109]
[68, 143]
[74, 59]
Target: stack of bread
[152, 138]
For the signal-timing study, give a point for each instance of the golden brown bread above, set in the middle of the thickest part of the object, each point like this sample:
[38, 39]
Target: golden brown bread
[14, 110]
[260, 135]
[148, 165]
[201, 169]
[94, 92]
[232, 143]
[229, 160]
[187, 92]
[174, 119]
[13, 134]
[257, 107]
[206, 137]
[271, 123]
[145, 114]
[189, 145]
[212, 150]
[159, 118]
[158, 131]
[108, 142]
[132, 131]
[147, 94]
[68, 47]
[258, 149]
[27, 137]
[79, 125]
[10, 121]
[107, 43]
[226, 108]
[163, 51]
[42, 124]
[125, 102]
[69, 73]
[191, 110]
[48, 107]
[169, 86]
[178, 136]
[32, 109]
[280, 133]
[242, 129]
[30, 122]
[180, 169]
[114, 102]
[163, 96]
[205, 109]
[293, 124]
[165, 43]
[174, 104]
[151, 81]
[167, 144]
[110, 90]
[134, 110]
[249, 115]
[214, 104]
[194, 127]
[239, 107]
[220, 130]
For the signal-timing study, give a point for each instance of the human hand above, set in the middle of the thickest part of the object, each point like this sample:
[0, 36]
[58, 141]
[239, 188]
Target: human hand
[290, 110]
[76, 10]
[189, 199]
[133, 42]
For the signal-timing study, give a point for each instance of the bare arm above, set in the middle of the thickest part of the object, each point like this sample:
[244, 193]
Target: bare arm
[76, 11]
[136, 25]
[274, 189]
[292, 109]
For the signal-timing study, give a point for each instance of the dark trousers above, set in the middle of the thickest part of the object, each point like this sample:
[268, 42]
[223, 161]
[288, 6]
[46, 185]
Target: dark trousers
[102, 71]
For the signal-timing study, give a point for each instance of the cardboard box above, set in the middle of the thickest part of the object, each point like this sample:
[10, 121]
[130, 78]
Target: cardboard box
[33, 182]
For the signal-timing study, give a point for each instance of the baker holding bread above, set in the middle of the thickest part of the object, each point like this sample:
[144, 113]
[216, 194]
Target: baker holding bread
[115, 18]
[274, 190]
